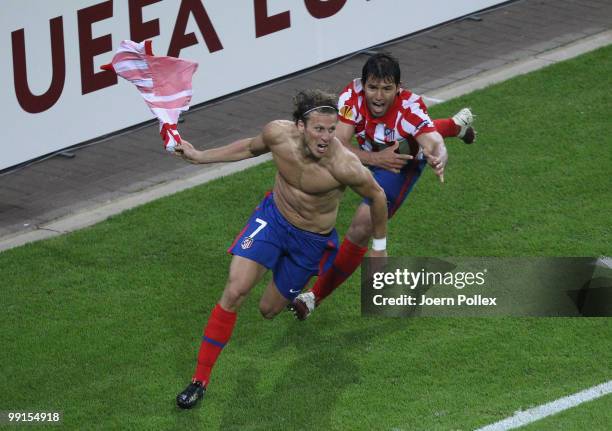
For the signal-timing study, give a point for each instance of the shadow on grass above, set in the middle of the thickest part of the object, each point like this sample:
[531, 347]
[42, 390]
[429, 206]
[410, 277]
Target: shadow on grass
[306, 394]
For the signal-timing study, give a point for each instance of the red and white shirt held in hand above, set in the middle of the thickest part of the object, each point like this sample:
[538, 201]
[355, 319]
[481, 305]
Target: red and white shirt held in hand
[163, 82]
[406, 119]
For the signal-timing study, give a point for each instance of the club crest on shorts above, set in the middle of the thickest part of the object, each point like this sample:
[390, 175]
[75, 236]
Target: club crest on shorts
[246, 243]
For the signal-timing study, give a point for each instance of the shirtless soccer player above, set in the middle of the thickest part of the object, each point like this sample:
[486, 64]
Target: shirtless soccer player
[383, 117]
[291, 232]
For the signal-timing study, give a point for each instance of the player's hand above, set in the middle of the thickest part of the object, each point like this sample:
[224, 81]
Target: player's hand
[390, 160]
[186, 151]
[438, 160]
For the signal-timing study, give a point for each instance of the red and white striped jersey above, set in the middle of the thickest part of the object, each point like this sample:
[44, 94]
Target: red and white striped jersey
[406, 119]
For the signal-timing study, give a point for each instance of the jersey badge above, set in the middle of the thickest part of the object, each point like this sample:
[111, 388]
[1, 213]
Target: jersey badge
[346, 112]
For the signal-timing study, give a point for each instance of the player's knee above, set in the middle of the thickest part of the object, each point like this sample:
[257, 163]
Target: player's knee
[360, 230]
[232, 297]
[359, 233]
[267, 312]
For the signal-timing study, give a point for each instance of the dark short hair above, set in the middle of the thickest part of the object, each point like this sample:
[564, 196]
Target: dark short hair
[307, 101]
[381, 66]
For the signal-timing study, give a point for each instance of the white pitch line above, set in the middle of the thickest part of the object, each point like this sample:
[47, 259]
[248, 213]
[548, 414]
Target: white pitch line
[432, 100]
[522, 418]
[604, 262]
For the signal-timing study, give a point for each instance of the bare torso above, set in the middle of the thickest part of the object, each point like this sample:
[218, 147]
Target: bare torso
[306, 190]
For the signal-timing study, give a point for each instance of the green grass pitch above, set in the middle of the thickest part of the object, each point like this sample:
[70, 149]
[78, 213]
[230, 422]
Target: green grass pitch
[104, 324]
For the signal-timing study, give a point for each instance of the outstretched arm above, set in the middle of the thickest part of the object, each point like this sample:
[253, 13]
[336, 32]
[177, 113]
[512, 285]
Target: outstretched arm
[242, 149]
[238, 150]
[434, 150]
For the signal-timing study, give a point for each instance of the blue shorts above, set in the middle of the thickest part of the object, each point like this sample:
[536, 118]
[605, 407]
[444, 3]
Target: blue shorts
[398, 186]
[294, 255]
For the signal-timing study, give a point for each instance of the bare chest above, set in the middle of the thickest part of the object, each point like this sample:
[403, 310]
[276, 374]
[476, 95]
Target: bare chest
[310, 178]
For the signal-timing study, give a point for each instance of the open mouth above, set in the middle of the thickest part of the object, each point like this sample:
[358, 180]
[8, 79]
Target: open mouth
[378, 106]
[321, 148]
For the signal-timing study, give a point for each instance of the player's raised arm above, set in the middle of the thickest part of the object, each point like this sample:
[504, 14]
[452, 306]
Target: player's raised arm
[435, 152]
[237, 150]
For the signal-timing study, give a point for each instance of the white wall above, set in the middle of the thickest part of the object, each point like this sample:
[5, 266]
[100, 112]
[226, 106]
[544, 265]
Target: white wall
[245, 60]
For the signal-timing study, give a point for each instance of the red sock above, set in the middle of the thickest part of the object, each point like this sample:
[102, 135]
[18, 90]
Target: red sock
[217, 333]
[446, 127]
[347, 261]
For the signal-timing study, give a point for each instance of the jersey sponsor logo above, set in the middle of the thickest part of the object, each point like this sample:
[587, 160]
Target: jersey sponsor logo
[246, 243]
[346, 112]
[295, 291]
